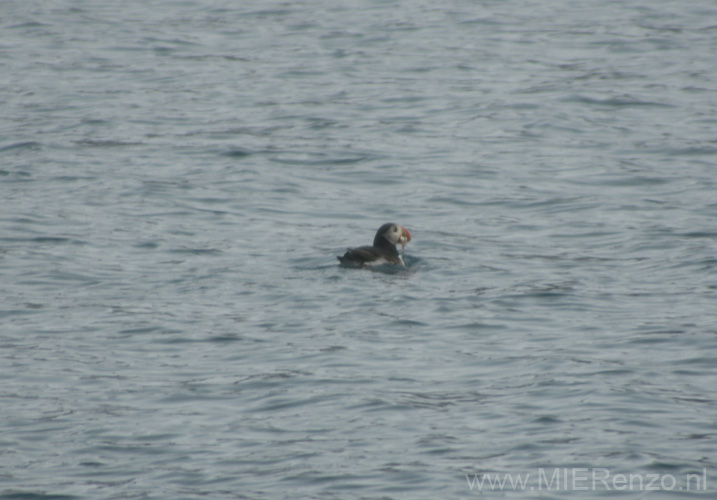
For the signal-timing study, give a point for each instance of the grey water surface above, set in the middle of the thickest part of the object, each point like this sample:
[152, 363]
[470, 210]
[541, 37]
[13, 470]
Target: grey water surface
[176, 179]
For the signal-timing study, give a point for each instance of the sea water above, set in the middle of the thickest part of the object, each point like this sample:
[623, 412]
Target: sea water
[177, 178]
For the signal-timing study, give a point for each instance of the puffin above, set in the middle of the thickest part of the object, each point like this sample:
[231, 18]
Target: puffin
[383, 250]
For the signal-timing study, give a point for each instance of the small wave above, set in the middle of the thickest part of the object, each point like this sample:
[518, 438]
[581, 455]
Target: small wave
[196, 251]
[238, 153]
[105, 144]
[622, 101]
[33, 145]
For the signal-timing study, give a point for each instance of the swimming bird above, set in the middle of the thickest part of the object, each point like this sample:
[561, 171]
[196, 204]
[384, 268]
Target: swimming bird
[383, 250]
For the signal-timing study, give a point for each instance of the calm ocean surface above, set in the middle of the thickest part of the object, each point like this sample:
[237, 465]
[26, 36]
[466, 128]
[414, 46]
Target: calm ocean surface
[176, 179]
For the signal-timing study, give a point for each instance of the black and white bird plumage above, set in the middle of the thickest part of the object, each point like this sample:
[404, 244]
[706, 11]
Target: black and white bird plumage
[383, 250]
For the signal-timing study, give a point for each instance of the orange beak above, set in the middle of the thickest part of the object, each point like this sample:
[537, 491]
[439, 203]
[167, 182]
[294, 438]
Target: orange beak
[405, 237]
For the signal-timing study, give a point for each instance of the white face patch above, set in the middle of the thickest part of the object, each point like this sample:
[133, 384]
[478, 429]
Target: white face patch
[394, 235]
